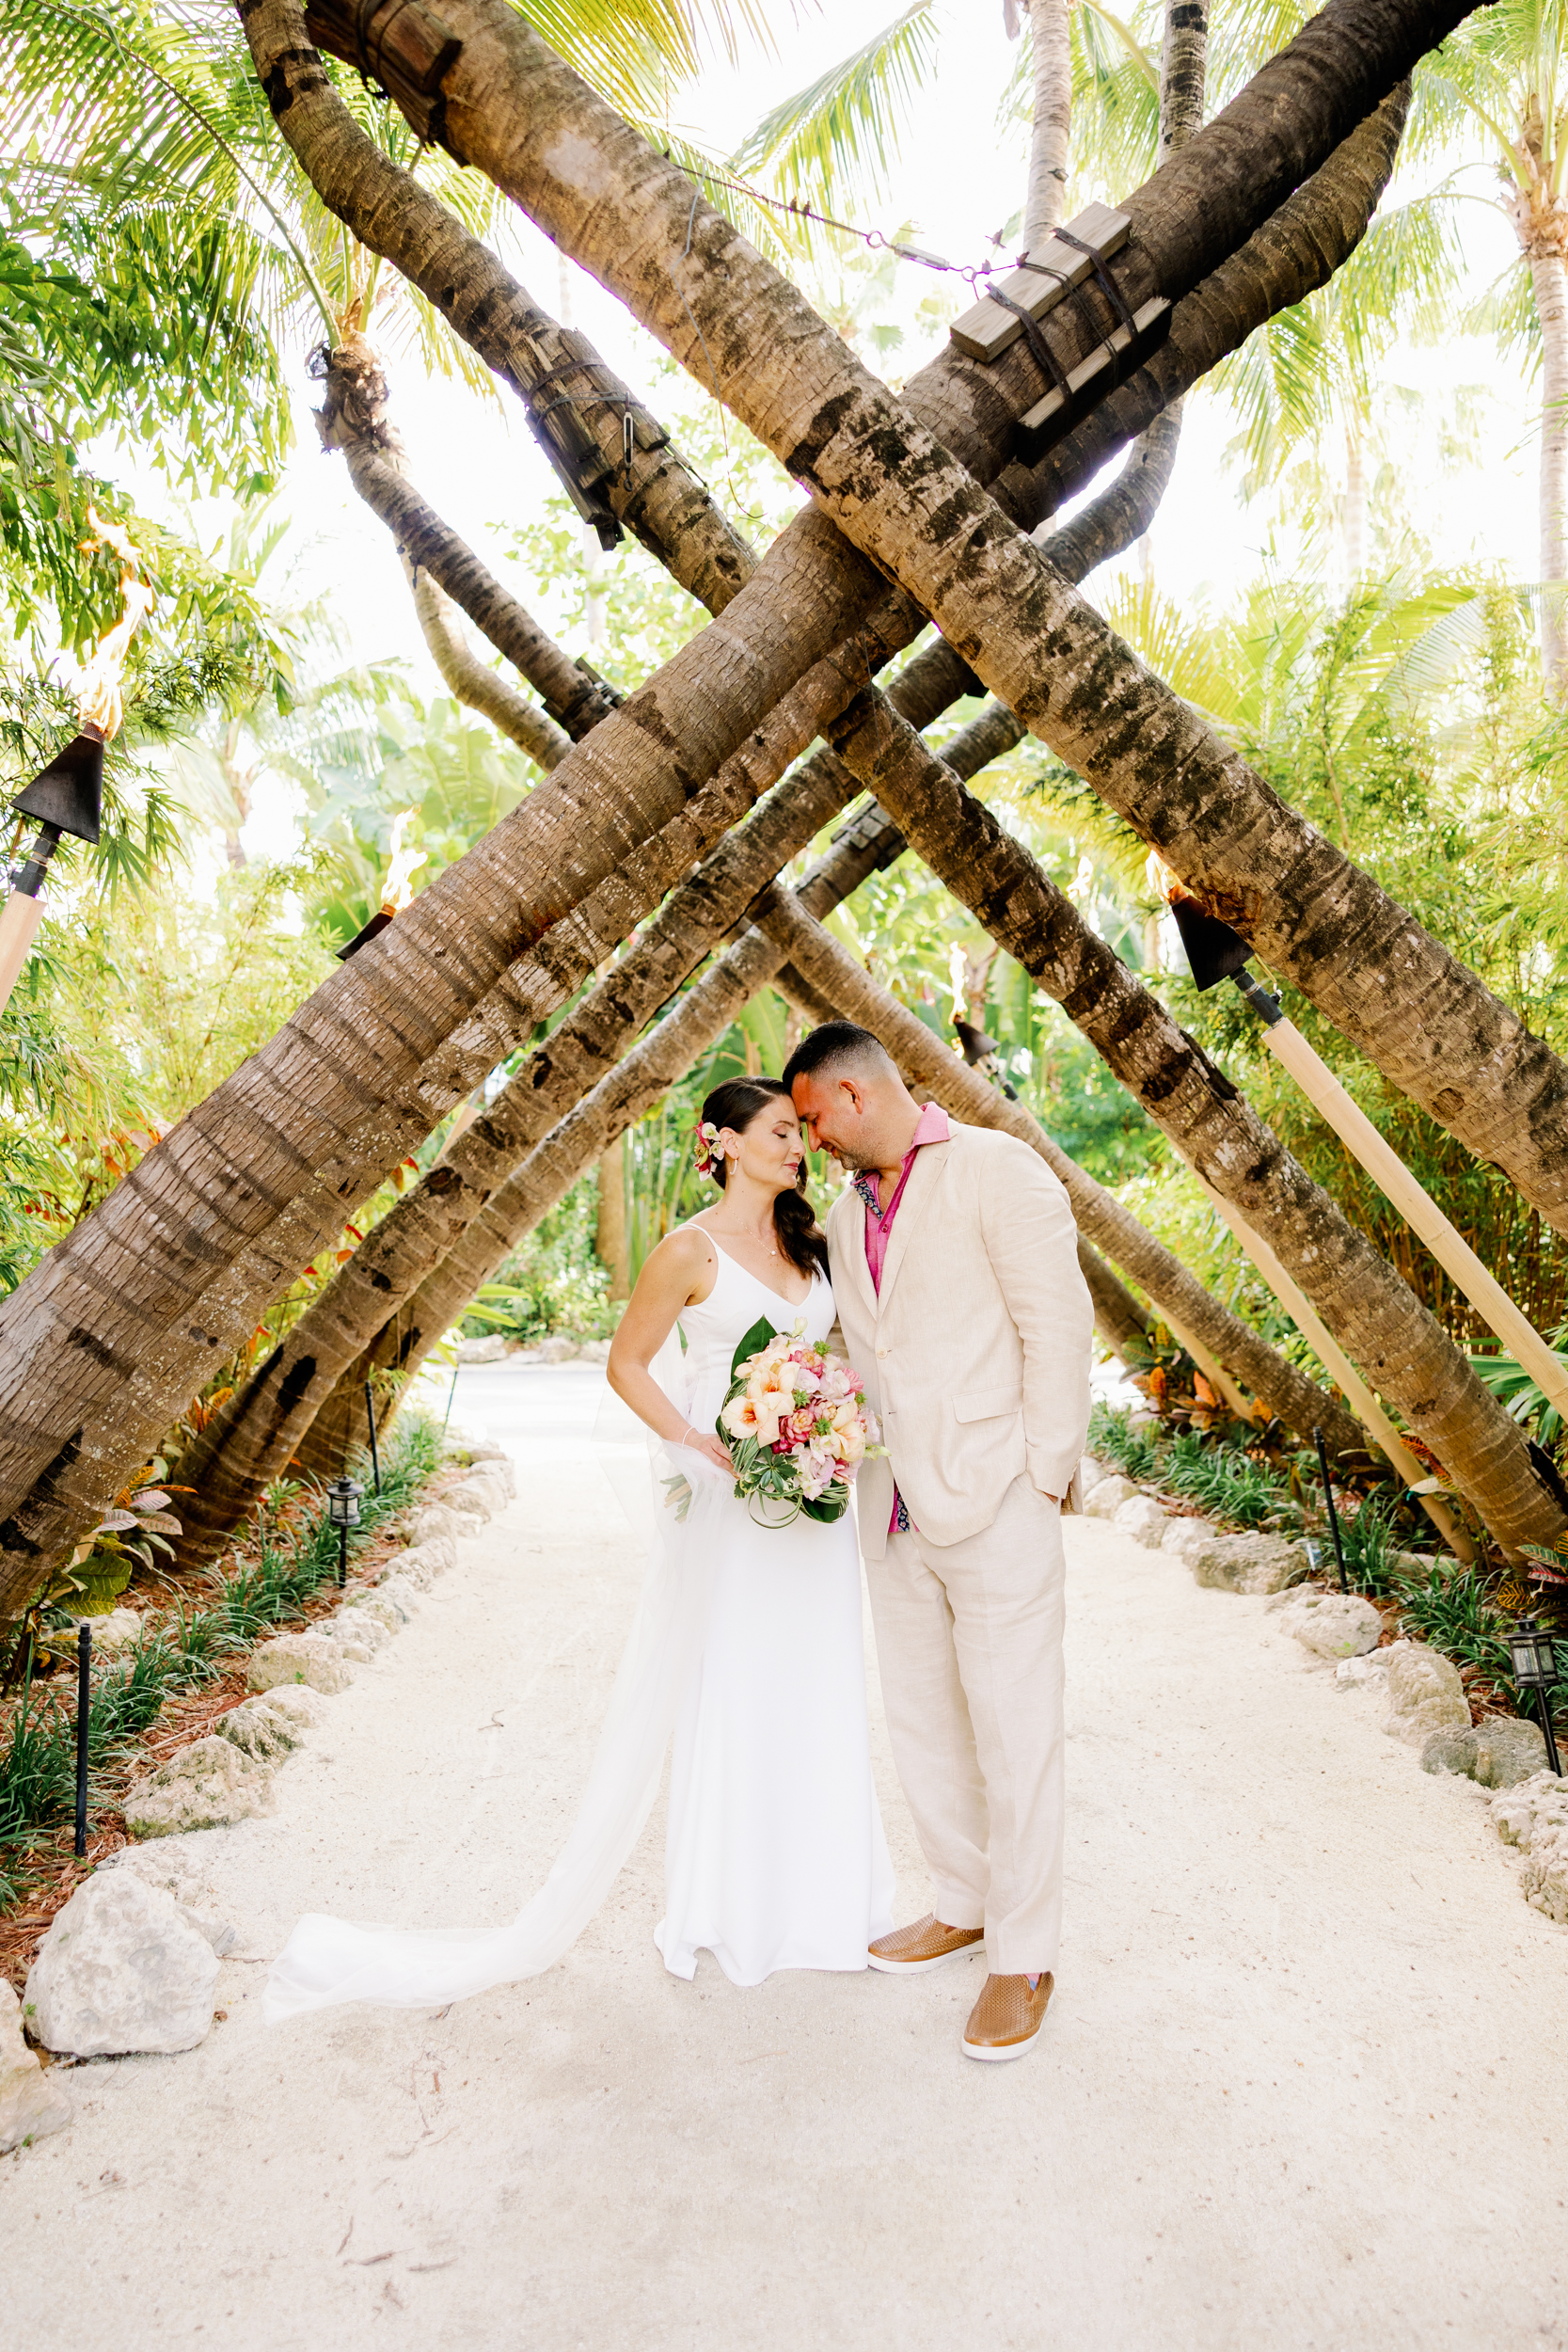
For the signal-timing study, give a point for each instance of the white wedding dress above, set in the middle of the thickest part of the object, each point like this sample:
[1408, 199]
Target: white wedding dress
[746, 1643]
[774, 1856]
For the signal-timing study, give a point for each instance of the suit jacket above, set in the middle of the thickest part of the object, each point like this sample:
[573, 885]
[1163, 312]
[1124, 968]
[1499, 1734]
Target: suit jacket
[976, 1356]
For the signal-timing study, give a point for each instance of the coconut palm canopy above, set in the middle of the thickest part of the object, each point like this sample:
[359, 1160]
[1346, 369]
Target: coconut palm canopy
[575, 666]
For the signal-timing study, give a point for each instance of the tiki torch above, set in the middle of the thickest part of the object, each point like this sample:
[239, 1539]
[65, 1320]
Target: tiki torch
[67, 796]
[1217, 952]
[396, 891]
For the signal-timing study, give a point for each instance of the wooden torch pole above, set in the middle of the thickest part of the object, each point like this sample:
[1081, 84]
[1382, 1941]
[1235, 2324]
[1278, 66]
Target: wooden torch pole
[1363, 1404]
[1486, 1294]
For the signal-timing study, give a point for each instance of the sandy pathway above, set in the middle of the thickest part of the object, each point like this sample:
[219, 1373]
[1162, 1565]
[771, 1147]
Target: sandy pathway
[1305, 2083]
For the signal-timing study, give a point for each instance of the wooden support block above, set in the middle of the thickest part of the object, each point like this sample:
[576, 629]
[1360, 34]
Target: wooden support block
[987, 330]
[400, 42]
[1045, 424]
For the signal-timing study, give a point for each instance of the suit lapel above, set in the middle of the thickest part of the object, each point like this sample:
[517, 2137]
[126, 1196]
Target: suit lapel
[847, 1233]
[923, 1184]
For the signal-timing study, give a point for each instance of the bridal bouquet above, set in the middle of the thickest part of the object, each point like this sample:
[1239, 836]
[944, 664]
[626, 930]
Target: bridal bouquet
[797, 1426]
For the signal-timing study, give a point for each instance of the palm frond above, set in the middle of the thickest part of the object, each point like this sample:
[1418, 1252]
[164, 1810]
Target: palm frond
[838, 132]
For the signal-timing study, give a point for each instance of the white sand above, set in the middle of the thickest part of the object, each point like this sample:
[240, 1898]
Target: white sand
[1305, 2082]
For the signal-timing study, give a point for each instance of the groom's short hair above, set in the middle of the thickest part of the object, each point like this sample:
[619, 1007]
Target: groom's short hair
[837, 1046]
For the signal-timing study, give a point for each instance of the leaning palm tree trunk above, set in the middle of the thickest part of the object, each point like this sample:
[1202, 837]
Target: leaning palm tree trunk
[354, 419]
[164, 1279]
[892, 474]
[265, 1421]
[1110, 522]
[621, 1097]
[1371, 1311]
[834, 973]
[1122, 1324]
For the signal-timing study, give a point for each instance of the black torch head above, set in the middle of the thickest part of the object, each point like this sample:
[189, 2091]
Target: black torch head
[1214, 951]
[976, 1044]
[69, 793]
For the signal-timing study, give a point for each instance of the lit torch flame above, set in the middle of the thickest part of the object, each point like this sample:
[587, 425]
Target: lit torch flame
[1164, 883]
[399, 886]
[101, 705]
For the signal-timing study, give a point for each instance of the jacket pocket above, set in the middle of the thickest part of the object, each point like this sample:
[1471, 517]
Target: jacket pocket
[1005, 1396]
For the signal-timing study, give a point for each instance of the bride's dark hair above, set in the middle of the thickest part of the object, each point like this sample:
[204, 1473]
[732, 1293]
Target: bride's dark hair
[735, 1104]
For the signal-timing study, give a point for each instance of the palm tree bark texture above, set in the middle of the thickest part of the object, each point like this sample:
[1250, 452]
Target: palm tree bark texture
[1371, 1311]
[118, 1297]
[903, 495]
[656, 1063]
[133, 1417]
[1114, 520]
[834, 975]
[530, 990]
[263, 1425]
[48, 1521]
[357, 1151]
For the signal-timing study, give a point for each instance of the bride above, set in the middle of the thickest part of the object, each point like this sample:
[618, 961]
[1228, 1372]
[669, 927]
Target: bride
[747, 1644]
[774, 1855]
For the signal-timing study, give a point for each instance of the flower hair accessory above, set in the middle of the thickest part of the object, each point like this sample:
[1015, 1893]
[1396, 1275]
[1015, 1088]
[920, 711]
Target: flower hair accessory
[705, 1146]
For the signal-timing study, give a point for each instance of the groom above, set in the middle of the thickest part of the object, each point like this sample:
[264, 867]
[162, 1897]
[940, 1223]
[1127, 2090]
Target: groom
[955, 1267]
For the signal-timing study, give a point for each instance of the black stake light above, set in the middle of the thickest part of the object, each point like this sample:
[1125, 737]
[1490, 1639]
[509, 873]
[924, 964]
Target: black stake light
[83, 1711]
[342, 1509]
[370, 1416]
[1535, 1668]
[1328, 1501]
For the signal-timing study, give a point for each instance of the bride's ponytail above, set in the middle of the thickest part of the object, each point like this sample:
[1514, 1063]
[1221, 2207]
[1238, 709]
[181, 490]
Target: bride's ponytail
[735, 1104]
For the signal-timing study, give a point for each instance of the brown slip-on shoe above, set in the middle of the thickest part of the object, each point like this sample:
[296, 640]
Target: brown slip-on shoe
[1006, 2019]
[911, 1951]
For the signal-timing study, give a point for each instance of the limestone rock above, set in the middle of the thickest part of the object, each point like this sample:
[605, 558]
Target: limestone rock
[488, 1350]
[31, 2102]
[435, 1520]
[1141, 1518]
[382, 1607]
[116, 1630]
[473, 1498]
[479, 1496]
[1091, 1470]
[593, 1352]
[1538, 1804]
[423, 1562]
[1247, 1563]
[1109, 1496]
[122, 1969]
[1368, 1673]
[299, 1657]
[261, 1730]
[559, 1348]
[1186, 1537]
[1499, 1753]
[206, 1785]
[170, 1864]
[397, 1593]
[1331, 1625]
[1425, 1694]
[356, 1633]
[495, 1464]
[297, 1704]
[1543, 1880]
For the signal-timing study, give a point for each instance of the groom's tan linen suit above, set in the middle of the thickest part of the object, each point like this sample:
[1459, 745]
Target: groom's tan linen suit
[975, 1357]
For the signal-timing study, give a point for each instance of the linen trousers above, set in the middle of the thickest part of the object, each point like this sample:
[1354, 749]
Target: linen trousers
[969, 1643]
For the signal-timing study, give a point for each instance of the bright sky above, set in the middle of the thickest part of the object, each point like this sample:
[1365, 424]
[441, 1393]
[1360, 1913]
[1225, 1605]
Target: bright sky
[960, 180]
